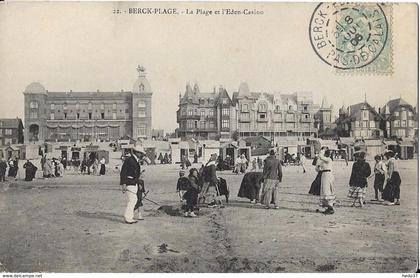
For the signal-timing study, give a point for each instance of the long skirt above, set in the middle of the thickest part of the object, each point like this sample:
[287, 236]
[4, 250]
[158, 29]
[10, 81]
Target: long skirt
[269, 192]
[250, 185]
[379, 182]
[327, 192]
[316, 185]
[102, 171]
[356, 192]
[392, 188]
[209, 191]
[191, 197]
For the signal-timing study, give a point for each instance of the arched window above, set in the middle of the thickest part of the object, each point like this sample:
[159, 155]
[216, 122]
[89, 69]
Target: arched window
[141, 87]
[34, 104]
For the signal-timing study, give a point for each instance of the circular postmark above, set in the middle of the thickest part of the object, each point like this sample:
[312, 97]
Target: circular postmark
[348, 35]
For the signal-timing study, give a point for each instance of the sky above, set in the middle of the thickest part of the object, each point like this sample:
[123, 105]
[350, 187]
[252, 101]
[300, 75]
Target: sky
[86, 47]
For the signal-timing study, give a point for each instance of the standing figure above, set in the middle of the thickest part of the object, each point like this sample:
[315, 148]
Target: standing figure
[102, 162]
[254, 165]
[191, 195]
[13, 168]
[272, 175]
[182, 185]
[209, 190]
[95, 166]
[380, 172]
[3, 167]
[316, 184]
[327, 191]
[48, 172]
[160, 158]
[60, 168]
[358, 179]
[129, 179]
[30, 170]
[391, 192]
[302, 161]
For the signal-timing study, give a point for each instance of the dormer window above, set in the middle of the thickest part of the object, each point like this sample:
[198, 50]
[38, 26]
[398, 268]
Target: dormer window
[141, 87]
[262, 107]
[244, 107]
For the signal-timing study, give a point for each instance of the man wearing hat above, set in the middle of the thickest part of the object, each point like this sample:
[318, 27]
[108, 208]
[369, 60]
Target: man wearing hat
[129, 179]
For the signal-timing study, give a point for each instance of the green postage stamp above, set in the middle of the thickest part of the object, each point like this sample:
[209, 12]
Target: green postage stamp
[353, 37]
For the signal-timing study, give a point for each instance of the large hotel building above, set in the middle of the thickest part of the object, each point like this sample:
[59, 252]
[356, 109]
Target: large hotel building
[215, 115]
[88, 116]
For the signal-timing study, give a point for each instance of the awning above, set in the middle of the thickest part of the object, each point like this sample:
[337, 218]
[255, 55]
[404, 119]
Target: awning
[52, 126]
[64, 126]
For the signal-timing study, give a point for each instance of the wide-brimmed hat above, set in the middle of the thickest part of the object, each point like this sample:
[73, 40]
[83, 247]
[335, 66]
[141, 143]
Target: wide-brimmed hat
[139, 149]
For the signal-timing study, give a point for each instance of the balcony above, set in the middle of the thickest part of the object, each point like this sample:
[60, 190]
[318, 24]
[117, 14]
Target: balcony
[189, 117]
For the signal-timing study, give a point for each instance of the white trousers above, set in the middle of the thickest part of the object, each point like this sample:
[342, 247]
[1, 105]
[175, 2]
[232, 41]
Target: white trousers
[131, 202]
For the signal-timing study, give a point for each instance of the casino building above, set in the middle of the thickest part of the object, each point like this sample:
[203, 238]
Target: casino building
[88, 116]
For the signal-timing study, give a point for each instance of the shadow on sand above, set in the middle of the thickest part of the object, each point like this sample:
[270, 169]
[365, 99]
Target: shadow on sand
[101, 215]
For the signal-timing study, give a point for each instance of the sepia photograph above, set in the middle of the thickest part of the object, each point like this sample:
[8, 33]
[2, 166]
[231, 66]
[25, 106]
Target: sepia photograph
[208, 137]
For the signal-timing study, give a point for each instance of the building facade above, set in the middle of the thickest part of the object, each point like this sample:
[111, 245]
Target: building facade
[399, 119]
[215, 115]
[11, 131]
[88, 116]
[203, 115]
[359, 121]
[274, 115]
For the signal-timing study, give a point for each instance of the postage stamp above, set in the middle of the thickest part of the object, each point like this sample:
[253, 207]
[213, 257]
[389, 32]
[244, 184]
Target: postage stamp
[353, 37]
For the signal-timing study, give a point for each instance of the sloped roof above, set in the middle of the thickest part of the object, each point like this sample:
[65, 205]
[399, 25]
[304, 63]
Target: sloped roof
[10, 123]
[394, 104]
[357, 107]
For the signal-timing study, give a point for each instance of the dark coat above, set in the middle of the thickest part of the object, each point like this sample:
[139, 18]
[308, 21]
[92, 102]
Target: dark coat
[209, 174]
[272, 169]
[130, 172]
[183, 183]
[250, 185]
[359, 174]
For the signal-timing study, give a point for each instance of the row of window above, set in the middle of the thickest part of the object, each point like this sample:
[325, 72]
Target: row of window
[276, 117]
[373, 124]
[35, 105]
[403, 123]
[211, 112]
[403, 114]
[262, 107]
[7, 131]
[276, 126]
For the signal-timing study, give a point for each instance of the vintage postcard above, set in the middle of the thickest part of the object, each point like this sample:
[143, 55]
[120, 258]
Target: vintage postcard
[208, 137]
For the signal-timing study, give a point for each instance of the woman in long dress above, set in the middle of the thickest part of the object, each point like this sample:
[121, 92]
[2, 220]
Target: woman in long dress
[102, 162]
[391, 192]
[327, 192]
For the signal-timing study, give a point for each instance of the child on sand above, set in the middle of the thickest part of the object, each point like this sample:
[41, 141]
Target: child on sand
[182, 185]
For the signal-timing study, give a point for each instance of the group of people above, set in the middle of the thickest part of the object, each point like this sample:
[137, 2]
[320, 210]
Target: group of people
[51, 167]
[164, 158]
[92, 165]
[204, 185]
[385, 173]
[12, 164]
